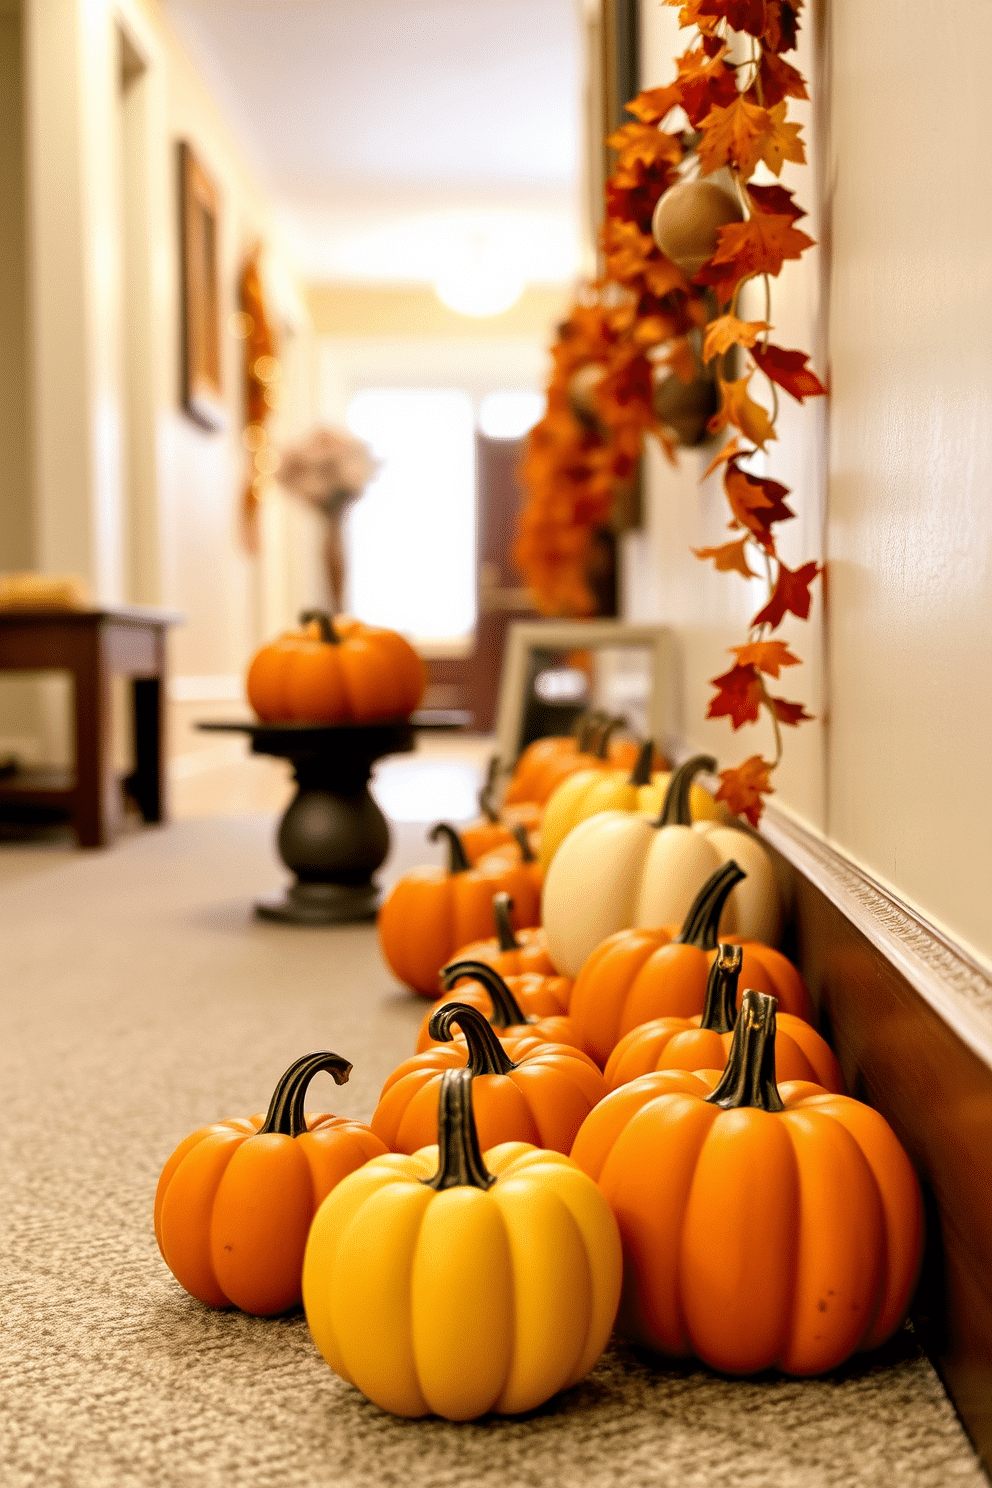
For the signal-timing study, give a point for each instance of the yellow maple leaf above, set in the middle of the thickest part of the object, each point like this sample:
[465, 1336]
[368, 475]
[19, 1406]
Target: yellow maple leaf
[782, 142]
[738, 409]
[735, 135]
[727, 331]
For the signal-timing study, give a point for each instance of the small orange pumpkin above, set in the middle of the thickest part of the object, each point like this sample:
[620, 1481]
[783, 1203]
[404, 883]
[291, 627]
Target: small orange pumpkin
[512, 952]
[542, 1096]
[703, 1042]
[636, 975]
[543, 773]
[516, 1005]
[235, 1200]
[761, 1228]
[335, 671]
[430, 911]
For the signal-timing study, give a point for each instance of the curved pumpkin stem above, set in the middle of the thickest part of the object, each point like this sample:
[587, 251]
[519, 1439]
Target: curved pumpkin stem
[606, 733]
[457, 857]
[720, 1007]
[507, 1012]
[502, 905]
[485, 797]
[523, 842]
[749, 1078]
[486, 1055]
[327, 632]
[285, 1114]
[699, 928]
[587, 731]
[460, 1162]
[641, 773]
[675, 810]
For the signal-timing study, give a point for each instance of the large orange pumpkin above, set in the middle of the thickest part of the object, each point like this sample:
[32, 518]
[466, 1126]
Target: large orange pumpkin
[529, 1005]
[235, 1200]
[335, 671]
[430, 912]
[703, 1042]
[542, 1095]
[761, 1228]
[637, 975]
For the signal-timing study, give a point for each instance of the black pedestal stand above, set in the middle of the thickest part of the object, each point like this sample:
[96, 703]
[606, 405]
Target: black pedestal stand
[333, 835]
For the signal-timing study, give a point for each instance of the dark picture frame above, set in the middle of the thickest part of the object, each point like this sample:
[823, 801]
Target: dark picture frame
[202, 391]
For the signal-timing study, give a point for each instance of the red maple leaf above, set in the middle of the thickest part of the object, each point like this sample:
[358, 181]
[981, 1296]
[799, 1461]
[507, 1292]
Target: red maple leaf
[790, 713]
[775, 201]
[756, 502]
[789, 370]
[779, 79]
[740, 15]
[790, 595]
[782, 24]
[743, 788]
[739, 696]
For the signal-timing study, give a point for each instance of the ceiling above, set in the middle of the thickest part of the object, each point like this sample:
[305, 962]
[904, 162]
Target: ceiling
[389, 131]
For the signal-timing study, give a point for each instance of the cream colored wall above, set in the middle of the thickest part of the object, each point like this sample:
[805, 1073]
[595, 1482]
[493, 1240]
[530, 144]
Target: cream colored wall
[890, 479]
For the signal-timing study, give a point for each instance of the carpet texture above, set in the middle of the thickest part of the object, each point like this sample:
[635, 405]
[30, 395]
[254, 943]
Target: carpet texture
[139, 1001]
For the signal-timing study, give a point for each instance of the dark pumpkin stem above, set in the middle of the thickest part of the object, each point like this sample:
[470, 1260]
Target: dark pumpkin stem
[327, 632]
[486, 805]
[523, 842]
[486, 1055]
[606, 734]
[641, 773]
[700, 926]
[457, 857]
[502, 905]
[675, 810]
[459, 1157]
[507, 1012]
[749, 1079]
[720, 1007]
[285, 1114]
[589, 726]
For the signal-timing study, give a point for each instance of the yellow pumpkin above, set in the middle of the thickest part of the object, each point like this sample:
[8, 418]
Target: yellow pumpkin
[455, 1284]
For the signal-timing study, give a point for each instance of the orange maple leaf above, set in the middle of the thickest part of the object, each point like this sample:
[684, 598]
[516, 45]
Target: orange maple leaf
[738, 409]
[739, 696]
[735, 135]
[727, 331]
[759, 246]
[789, 370]
[790, 596]
[704, 81]
[743, 788]
[730, 558]
[653, 104]
[790, 713]
[782, 142]
[681, 360]
[731, 451]
[767, 656]
[644, 145]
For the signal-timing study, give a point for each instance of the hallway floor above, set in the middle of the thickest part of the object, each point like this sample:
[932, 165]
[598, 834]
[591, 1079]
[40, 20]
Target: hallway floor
[141, 1000]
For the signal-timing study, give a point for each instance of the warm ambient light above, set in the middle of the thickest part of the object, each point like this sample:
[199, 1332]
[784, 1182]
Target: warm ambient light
[510, 414]
[479, 278]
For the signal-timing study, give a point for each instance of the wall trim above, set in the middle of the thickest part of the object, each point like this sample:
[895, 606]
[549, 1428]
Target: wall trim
[950, 978]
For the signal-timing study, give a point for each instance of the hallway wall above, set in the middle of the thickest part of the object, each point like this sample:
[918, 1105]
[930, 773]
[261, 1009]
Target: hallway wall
[889, 479]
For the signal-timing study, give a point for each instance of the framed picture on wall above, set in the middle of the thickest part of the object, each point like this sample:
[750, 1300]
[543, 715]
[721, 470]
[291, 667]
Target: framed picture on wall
[200, 293]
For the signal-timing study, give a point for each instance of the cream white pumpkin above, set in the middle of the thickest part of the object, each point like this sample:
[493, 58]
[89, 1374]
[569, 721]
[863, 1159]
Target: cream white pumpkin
[618, 869]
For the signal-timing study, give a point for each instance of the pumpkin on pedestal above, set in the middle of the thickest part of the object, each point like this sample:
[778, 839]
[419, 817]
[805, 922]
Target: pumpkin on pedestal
[459, 1284]
[762, 1228]
[335, 671]
[235, 1199]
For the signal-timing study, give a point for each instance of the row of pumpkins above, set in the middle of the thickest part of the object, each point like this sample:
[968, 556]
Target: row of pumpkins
[618, 1114]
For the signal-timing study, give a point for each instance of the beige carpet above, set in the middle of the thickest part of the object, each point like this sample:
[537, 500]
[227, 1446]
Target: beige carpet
[141, 1000]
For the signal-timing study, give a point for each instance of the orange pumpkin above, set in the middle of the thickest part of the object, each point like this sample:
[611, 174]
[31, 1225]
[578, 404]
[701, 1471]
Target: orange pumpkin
[491, 830]
[430, 912]
[637, 975]
[235, 1199]
[528, 1005]
[335, 671]
[543, 773]
[761, 1228]
[520, 849]
[542, 1095]
[703, 1042]
[513, 952]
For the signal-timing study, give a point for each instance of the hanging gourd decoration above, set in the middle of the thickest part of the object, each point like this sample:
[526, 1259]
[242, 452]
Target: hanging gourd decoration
[513, 952]
[762, 1228]
[456, 1283]
[235, 1200]
[687, 221]
[542, 1097]
[521, 1009]
[430, 912]
[618, 869]
[638, 975]
[335, 671]
[703, 1042]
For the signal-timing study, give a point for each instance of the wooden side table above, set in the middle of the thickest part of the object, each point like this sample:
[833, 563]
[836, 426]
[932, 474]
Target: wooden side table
[95, 645]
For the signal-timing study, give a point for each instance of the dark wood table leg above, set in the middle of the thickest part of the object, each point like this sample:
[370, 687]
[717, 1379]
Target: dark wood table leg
[147, 783]
[93, 801]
